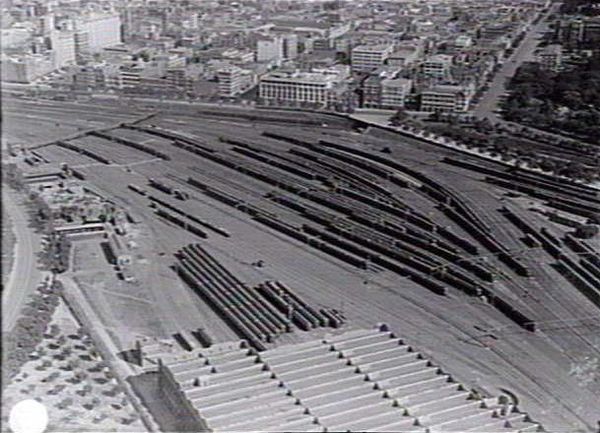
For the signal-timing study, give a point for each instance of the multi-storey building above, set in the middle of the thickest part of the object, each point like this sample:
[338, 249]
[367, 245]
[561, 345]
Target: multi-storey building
[446, 99]
[307, 30]
[104, 29]
[463, 41]
[394, 92]
[371, 92]
[550, 58]
[578, 31]
[269, 49]
[366, 58]
[47, 24]
[95, 75]
[299, 87]
[238, 57]
[290, 46]
[233, 81]
[371, 87]
[26, 69]
[403, 57]
[437, 66]
[494, 31]
[63, 48]
[130, 75]
[15, 37]
[82, 44]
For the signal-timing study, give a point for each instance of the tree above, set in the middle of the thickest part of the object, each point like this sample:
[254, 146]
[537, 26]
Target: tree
[400, 116]
[65, 403]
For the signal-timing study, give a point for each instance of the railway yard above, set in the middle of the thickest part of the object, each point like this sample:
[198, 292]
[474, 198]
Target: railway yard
[280, 227]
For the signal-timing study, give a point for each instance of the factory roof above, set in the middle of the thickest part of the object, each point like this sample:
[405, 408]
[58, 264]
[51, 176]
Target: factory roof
[361, 379]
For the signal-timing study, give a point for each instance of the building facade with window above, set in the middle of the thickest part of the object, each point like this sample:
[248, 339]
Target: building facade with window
[298, 87]
[366, 58]
[446, 99]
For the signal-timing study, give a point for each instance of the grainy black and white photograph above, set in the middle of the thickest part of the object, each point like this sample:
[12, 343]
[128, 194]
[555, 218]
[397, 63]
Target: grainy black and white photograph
[300, 216]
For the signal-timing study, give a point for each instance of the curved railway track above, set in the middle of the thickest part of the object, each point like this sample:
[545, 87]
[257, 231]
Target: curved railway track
[548, 304]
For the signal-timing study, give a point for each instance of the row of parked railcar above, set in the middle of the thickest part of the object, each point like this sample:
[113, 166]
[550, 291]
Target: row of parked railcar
[130, 143]
[244, 308]
[531, 180]
[346, 206]
[195, 219]
[584, 274]
[293, 306]
[83, 151]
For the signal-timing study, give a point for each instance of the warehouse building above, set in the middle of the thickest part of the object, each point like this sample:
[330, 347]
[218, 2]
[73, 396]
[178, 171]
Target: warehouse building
[357, 380]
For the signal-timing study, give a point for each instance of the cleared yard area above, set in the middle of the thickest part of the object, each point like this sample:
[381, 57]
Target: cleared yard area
[124, 307]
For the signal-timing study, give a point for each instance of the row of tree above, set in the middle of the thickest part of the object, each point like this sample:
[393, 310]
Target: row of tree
[518, 146]
[55, 255]
[30, 327]
[583, 7]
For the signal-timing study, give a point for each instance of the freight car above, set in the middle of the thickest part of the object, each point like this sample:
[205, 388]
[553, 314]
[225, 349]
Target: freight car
[129, 143]
[137, 189]
[160, 186]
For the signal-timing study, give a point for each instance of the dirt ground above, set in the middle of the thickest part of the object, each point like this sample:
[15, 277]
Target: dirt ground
[67, 374]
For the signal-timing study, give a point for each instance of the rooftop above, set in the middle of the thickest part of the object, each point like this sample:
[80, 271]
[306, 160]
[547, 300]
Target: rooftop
[396, 82]
[372, 48]
[301, 76]
[361, 379]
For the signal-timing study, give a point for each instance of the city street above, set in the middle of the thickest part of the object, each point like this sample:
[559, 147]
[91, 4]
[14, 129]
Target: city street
[488, 103]
[24, 275]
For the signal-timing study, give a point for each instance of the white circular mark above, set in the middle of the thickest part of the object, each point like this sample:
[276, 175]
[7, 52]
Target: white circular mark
[28, 416]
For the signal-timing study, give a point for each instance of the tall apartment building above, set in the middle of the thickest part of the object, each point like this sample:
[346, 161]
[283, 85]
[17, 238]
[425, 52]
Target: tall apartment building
[269, 49]
[366, 58]
[290, 46]
[298, 87]
[103, 29]
[127, 26]
[63, 48]
[15, 37]
[82, 44]
[494, 31]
